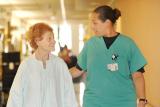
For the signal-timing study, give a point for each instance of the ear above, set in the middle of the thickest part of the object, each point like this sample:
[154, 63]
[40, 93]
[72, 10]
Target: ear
[107, 21]
[36, 41]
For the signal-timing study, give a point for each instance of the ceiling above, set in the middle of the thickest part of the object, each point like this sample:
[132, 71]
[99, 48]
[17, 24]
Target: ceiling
[51, 10]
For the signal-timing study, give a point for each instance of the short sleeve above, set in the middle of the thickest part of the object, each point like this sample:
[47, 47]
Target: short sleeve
[136, 60]
[82, 58]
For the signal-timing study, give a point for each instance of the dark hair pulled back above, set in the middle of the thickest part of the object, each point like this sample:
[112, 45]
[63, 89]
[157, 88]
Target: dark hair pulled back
[106, 12]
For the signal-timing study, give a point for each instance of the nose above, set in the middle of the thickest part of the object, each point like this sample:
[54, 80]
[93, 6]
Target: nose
[92, 26]
[53, 41]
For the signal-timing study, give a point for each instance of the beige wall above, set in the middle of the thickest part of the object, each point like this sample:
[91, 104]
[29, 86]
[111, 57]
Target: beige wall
[141, 20]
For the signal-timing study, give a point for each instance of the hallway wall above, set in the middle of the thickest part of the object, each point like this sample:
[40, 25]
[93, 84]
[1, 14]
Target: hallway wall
[141, 20]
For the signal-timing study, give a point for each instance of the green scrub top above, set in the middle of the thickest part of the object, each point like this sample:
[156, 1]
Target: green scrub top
[109, 82]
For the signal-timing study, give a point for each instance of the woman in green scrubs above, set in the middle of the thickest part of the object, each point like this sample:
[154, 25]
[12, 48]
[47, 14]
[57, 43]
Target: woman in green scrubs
[113, 63]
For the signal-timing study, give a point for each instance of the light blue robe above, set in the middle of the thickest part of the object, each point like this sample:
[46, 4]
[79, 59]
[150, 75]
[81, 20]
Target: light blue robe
[35, 86]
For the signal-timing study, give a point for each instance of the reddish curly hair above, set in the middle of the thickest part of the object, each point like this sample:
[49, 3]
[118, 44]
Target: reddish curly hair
[36, 31]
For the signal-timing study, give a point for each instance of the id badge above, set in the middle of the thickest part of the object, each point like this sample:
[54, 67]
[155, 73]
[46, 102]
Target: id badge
[112, 67]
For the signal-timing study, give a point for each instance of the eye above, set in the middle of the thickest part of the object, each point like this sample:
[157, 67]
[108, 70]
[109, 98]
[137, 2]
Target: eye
[50, 38]
[94, 22]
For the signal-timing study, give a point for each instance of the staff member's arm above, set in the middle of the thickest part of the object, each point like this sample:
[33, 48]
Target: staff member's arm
[139, 83]
[75, 72]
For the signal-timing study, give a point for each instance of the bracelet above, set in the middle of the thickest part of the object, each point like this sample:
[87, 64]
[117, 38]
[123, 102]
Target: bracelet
[143, 99]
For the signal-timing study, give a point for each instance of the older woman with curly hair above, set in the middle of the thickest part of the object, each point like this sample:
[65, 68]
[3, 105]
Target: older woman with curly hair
[42, 80]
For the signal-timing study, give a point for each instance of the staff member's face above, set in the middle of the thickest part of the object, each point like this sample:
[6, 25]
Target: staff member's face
[47, 43]
[97, 25]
